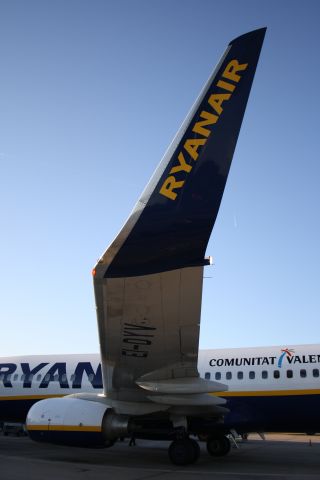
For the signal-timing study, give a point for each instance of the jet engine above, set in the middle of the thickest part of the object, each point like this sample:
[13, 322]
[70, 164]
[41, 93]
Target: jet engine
[73, 421]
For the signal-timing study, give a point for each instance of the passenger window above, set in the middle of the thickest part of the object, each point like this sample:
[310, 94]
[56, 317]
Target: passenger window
[15, 378]
[315, 372]
[38, 377]
[64, 377]
[47, 377]
[303, 373]
[264, 374]
[207, 376]
[9, 377]
[252, 375]
[23, 377]
[289, 373]
[240, 375]
[56, 378]
[276, 374]
[228, 375]
[218, 375]
[72, 377]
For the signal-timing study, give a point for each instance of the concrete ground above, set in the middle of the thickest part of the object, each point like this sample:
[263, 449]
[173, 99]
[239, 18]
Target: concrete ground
[279, 457]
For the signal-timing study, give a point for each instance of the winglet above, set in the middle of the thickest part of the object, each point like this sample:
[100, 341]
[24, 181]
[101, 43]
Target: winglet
[171, 223]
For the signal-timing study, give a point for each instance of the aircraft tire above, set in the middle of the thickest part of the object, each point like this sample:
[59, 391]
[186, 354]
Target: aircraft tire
[196, 448]
[218, 446]
[184, 452]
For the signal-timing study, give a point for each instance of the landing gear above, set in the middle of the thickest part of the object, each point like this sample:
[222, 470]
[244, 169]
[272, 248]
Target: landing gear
[218, 446]
[184, 451]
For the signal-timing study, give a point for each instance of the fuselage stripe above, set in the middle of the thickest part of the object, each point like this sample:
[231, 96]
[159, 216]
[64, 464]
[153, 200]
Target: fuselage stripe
[65, 428]
[30, 397]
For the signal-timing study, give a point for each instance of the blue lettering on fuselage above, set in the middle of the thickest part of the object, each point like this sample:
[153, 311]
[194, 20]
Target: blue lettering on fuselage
[56, 372]
[95, 378]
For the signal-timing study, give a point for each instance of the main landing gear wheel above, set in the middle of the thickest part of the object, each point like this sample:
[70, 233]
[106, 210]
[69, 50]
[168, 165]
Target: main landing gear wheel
[196, 449]
[184, 451]
[218, 446]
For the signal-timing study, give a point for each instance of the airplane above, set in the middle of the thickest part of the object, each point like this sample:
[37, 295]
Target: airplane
[148, 288]
[267, 386]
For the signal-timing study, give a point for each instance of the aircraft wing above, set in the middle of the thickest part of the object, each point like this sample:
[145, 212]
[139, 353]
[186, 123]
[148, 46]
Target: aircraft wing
[148, 283]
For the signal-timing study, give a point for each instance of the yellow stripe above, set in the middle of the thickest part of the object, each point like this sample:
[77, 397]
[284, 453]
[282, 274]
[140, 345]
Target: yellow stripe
[249, 393]
[266, 393]
[31, 397]
[65, 428]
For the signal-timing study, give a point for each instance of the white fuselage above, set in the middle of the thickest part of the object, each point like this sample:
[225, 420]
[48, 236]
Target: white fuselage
[259, 371]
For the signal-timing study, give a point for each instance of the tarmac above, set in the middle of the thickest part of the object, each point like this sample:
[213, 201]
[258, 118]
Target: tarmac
[279, 457]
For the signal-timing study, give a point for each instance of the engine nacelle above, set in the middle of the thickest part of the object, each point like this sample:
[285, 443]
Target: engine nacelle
[73, 421]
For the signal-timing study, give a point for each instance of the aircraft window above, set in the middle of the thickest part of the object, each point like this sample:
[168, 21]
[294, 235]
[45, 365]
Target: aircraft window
[218, 375]
[228, 375]
[38, 377]
[276, 374]
[207, 375]
[23, 377]
[9, 377]
[72, 377]
[289, 373]
[240, 375]
[264, 374]
[303, 373]
[56, 378]
[47, 378]
[315, 372]
[64, 377]
[91, 377]
[15, 378]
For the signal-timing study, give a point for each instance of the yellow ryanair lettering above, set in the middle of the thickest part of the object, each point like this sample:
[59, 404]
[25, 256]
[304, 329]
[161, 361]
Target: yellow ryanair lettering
[169, 185]
[209, 119]
[231, 71]
[226, 85]
[183, 165]
[216, 100]
[192, 146]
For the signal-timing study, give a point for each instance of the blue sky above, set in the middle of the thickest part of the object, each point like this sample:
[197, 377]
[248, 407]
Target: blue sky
[92, 93]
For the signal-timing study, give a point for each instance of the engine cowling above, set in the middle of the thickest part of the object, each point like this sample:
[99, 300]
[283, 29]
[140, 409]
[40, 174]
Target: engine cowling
[73, 421]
